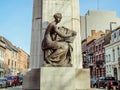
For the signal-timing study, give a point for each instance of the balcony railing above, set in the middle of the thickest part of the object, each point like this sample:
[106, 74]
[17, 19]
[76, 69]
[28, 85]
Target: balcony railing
[100, 63]
[90, 64]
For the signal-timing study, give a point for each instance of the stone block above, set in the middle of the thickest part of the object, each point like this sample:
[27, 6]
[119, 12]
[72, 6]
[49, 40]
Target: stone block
[31, 80]
[64, 78]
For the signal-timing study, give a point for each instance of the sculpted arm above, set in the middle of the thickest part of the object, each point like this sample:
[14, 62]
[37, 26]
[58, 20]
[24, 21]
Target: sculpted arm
[62, 33]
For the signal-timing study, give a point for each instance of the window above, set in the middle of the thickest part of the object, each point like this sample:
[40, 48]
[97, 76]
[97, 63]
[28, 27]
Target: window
[12, 62]
[119, 32]
[12, 54]
[118, 51]
[113, 55]
[114, 34]
[106, 59]
[96, 48]
[0, 54]
[103, 58]
[0, 65]
[15, 64]
[110, 68]
[107, 68]
[109, 57]
[8, 61]
[99, 47]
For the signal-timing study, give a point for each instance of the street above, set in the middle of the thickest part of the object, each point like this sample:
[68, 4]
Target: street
[12, 88]
[20, 88]
[97, 89]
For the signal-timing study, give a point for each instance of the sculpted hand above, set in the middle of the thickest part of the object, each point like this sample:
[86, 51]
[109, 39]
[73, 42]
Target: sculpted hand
[74, 33]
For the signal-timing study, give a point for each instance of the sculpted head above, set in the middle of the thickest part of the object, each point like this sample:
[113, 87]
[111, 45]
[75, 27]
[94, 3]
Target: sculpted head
[58, 17]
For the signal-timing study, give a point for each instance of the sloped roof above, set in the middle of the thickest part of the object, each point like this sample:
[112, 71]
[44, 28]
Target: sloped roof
[95, 36]
[9, 45]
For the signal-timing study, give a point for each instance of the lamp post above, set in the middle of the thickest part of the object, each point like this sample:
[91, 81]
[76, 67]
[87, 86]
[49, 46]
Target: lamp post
[111, 25]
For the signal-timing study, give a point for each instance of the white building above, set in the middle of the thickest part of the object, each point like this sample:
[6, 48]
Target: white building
[2, 54]
[112, 55]
[98, 20]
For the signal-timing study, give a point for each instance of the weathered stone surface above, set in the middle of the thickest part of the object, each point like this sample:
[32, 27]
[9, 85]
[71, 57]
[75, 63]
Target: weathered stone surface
[70, 19]
[31, 81]
[64, 78]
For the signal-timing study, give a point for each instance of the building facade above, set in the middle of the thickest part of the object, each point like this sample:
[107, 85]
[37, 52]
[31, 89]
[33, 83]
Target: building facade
[11, 60]
[112, 55]
[98, 20]
[98, 59]
[90, 55]
[2, 56]
[23, 60]
[94, 53]
[84, 53]
[91, 52]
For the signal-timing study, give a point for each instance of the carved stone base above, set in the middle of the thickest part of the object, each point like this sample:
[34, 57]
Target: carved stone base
[57, 78]
[64, 78]
[31, 80]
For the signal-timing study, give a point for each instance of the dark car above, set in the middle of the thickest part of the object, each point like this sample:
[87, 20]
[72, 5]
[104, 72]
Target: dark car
[12, 80]
[111, 85]
[118, 84]
[102, 81]
[20, 80]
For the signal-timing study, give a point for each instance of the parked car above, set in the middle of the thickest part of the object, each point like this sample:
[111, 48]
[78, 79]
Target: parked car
[93, 82]
[12, 80]
[112, 84]
[118, 84]
[102, 81]
[16, 80]
[20, 79]
[3, 83]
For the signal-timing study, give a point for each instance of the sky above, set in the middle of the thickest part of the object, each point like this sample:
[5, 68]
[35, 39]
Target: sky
[16, 18]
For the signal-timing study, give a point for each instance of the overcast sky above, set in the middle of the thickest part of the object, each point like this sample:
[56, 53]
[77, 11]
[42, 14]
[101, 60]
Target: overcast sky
[16, 18]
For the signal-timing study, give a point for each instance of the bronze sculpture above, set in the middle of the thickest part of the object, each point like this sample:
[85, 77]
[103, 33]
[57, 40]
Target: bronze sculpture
[56, 43]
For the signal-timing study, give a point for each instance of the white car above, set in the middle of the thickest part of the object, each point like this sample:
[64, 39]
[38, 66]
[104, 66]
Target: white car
[3, 82]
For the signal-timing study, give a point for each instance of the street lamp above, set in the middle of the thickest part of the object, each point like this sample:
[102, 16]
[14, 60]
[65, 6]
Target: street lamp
[111, 25]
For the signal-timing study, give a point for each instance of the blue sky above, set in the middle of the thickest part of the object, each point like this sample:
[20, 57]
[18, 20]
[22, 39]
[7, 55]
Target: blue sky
[16, 18]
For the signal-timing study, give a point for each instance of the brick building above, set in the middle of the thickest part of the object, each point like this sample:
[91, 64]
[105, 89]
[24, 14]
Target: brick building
[90, 55]
[23, 60]
[84, 53]
[99, 60]
[95, 53]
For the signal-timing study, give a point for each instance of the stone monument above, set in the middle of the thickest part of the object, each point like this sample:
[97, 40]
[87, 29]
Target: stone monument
[55, 58]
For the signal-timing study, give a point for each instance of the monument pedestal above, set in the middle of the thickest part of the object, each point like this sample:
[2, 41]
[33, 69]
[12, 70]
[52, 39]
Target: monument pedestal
[31, 80]
[64, 78]
[57, 78]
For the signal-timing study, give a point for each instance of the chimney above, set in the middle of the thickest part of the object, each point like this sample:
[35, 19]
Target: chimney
[93, 32]
[107, 31]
